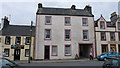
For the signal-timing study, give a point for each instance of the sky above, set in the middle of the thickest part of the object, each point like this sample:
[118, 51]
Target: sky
[23, 12]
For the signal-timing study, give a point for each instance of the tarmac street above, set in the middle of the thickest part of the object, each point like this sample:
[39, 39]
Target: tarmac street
[62, 63]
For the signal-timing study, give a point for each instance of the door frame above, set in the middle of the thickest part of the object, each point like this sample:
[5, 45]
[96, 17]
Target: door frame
[15, 53]
[45, 52]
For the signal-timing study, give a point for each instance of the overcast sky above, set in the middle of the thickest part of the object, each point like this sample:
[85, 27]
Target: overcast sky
[21, 13]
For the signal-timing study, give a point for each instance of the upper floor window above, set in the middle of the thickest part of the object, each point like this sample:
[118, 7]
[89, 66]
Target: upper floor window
[7, 40]
[48, 34]
[119, 25]
[67, 50]
[102, 24]
[103, 36]
[67, 34]
[18, 40]
[85, 34]
[119, 36]
[28, 40]
[67, 21]
[85, 21]
[48, 20]
[112, 36]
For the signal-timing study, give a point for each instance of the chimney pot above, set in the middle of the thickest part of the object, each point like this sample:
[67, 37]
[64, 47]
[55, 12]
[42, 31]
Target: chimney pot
[39, 5]
[73, 7]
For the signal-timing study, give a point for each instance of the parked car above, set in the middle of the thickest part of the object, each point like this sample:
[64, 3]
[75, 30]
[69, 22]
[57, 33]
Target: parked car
[5, 63]
[107, 55]
[112, 63]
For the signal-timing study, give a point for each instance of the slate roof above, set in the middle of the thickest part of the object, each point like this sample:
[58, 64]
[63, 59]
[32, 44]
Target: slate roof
[17, 30]
[63, 11]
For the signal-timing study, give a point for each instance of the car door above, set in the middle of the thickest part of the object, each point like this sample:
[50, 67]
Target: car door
[115, 63]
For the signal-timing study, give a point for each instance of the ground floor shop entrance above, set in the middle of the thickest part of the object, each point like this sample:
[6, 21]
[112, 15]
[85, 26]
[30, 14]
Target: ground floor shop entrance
[84, 50]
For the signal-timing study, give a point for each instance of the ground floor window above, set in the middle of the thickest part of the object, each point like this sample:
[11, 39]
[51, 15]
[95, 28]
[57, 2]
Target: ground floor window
[6, 52]
[26, 52]
[67, 50]
[104, 48]
[112, 47]
[54, 50]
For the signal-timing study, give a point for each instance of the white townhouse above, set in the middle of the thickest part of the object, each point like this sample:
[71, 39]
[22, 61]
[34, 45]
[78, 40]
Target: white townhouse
[63, 33]
[107, 34]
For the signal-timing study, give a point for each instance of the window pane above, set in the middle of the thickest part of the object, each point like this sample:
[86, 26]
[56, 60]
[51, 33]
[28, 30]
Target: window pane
[119, 36]
[7, 40]
[67, 34]
[67, 20]
[119, 25]
[54, 50]
[27, 41]
[48, 19]
[85, 21]
[18, 40]
[67, 50]
[102, 24]
[26, 52]
[104, 48]
[85, 34]
[6, 52]
[47, 34]
[103, 37]
[112, 36]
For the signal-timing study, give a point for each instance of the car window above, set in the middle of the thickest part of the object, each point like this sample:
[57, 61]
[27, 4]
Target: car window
[115, 62]
[4, 62]
[108, 61]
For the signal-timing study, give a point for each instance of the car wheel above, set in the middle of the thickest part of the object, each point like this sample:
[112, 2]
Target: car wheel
[105, 59]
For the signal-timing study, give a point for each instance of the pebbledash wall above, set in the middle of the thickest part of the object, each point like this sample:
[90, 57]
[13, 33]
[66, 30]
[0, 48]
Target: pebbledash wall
[58, 28]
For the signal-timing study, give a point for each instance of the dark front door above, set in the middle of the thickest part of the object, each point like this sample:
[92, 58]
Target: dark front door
[17, 54]
[47, 54]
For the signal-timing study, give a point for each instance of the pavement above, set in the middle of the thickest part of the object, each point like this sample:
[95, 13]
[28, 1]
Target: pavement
[56, 61]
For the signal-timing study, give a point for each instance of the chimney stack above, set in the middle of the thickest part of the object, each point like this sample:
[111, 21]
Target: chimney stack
[40, 5]
[88, 8]
[73, 7]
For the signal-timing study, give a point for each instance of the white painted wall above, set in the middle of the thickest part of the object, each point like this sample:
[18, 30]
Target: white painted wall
[58, 29]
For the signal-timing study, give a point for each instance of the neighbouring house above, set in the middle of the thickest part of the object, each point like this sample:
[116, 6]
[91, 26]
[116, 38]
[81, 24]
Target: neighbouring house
[15, 40]
[107, 34]
[63, 33]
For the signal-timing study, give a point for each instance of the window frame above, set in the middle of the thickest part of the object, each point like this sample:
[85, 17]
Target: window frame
[50, 35]
[28, 52]
[102, 47]
[18, 40]
[8, 52]
[118, 26]
[50, 20]
[87, 35]
[111, 34]
[26, 39]
[86, 22]
[104, 36]
[67, 24]
[56, 50]
[69, 35]
[102, 25]
[6, 40]
[65, 50]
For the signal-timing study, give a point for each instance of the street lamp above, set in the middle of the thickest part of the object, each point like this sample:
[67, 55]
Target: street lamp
[30, 42]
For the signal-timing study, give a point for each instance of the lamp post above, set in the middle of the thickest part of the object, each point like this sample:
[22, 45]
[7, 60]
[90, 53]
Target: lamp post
[30, 42]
